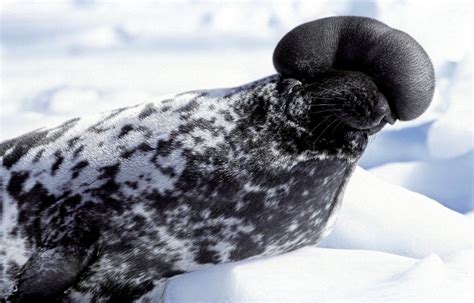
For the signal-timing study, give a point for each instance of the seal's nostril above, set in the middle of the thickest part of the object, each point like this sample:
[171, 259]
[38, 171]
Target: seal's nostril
[389, 118]
[382, 107]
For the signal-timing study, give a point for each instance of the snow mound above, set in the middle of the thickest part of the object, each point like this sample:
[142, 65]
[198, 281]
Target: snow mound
[452, 134]
[318, 274]
[449, 181]
[376, 215]
[388, 244]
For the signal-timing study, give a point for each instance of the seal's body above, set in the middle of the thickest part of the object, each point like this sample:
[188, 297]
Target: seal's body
[164, 188]
[106, 208]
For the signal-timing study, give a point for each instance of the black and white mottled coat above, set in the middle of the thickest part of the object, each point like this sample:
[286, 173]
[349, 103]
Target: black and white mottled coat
[107, 207]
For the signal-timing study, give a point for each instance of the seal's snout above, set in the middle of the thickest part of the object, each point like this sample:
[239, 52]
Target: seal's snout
[350, 98]
[371, 116]
[398, 65]
[382, 111]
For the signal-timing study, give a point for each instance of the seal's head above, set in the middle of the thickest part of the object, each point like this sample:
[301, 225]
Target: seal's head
[350, 76]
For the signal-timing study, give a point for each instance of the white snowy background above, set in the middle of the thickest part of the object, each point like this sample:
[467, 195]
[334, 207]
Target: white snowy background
[406, 228]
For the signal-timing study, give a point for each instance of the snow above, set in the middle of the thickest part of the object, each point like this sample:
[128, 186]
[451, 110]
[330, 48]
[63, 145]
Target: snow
[318, 274]
[405, 229]
[380, 216]
[453, 133]
[389, 244]
[448, 180]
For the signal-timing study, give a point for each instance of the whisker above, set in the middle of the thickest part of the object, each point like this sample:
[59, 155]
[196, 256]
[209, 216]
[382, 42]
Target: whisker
[326, 110]
[322, 121]
[339, 124]
[331, 98]
[329, 90]
[314, 128]
[330, 104]
[327, 127]
[344, 115]
[372, 138]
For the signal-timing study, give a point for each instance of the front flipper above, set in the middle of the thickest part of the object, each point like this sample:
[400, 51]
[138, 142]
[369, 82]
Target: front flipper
[49, 272]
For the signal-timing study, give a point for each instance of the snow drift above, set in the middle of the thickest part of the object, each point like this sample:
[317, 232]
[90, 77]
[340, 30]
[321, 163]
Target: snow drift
[389, 244]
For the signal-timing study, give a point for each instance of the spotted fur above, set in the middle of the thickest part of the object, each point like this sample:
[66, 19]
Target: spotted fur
[105, 208]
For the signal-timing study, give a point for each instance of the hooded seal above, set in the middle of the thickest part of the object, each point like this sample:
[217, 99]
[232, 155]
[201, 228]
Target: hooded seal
[106, 208]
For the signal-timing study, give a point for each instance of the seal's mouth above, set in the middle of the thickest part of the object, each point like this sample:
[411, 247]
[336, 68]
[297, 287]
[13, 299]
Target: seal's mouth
[366, 121]
[371, 129]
